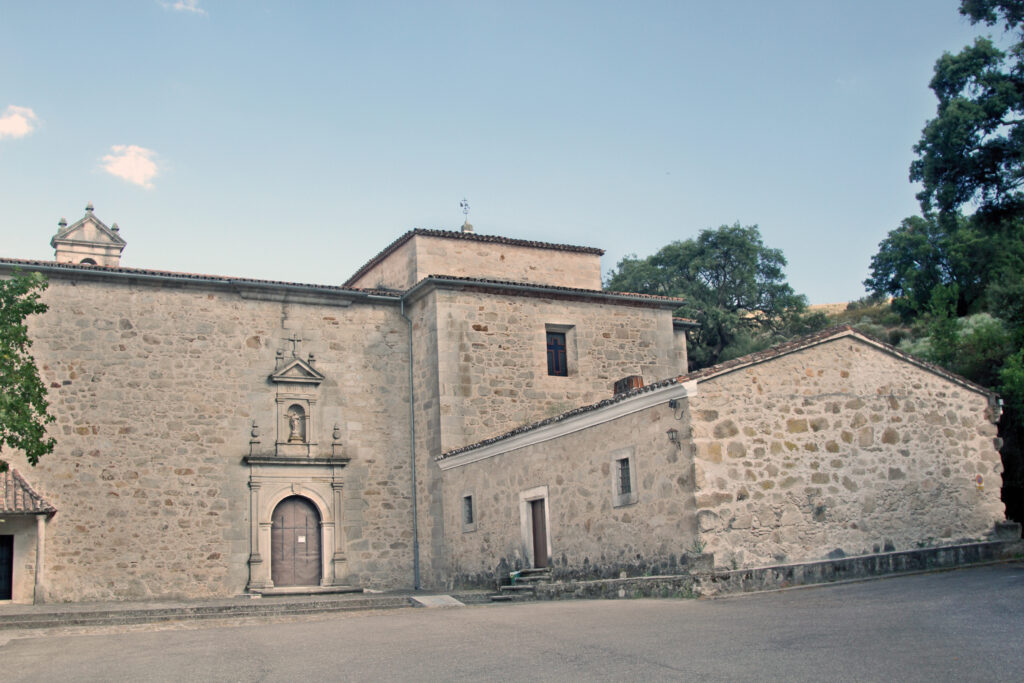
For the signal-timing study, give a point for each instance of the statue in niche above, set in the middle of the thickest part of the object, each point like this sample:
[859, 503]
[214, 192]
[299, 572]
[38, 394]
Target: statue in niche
[296, 426]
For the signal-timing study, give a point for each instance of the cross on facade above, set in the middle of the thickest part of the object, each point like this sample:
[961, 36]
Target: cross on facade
[295, 339]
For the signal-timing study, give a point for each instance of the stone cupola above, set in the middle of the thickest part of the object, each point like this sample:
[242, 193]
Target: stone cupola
[88, 241]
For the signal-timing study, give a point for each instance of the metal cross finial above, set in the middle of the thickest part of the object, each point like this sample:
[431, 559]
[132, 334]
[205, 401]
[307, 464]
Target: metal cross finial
[464, 205]
[295, 339]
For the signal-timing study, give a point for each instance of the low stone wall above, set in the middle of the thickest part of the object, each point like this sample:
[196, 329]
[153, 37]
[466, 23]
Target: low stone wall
[851, 568]
[712, 583]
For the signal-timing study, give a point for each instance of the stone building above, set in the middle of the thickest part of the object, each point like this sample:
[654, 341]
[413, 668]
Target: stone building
[448, 411]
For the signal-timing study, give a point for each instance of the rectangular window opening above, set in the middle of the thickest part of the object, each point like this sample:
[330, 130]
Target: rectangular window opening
[467, 510]
[625, 485]
[624, 478]
[557, 361]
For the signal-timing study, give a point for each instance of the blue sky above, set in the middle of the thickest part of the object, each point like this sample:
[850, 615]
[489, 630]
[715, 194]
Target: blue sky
[293, 141]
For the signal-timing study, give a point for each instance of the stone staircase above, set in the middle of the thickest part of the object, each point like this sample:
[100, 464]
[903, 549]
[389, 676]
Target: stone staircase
[523, 586]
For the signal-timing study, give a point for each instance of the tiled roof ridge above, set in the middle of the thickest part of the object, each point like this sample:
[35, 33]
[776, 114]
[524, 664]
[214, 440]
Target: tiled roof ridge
[11, 485]
[618, 398]
[815, 338]
[556, 288]
[471, 236]
[198, 277]
[776, 351]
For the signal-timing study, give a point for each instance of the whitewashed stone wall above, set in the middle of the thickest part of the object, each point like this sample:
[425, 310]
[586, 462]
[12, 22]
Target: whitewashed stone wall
[424, 255]
[840, 448]
[154, 389]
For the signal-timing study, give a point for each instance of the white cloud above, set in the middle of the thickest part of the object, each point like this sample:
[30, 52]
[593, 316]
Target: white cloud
[17, 122]
[132, 163]
[184, 6]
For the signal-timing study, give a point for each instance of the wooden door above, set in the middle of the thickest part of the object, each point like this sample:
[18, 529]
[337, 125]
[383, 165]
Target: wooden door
[295, 543]
[6, 566]
[540, 533]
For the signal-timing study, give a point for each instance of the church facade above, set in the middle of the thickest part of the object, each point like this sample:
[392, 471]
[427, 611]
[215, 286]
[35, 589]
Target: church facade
[446, 412]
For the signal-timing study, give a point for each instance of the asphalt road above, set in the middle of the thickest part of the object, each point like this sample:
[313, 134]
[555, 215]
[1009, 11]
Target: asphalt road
[960, 625]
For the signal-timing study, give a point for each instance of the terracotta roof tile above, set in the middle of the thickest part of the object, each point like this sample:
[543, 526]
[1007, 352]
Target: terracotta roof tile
[17, 497]
[470, 236]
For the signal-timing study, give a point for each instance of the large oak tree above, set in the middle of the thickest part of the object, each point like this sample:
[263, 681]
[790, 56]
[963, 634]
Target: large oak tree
[734, 287]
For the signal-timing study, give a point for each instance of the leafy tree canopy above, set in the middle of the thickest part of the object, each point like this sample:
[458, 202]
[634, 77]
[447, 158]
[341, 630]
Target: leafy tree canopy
[23, 405]
[972, 152]
[734, 287]
[924, 253]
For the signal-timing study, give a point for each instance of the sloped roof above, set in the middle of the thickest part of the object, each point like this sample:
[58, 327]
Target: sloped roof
[809, 341]
[54, 266]
[17, 497]
[469, 236]
[542, 290]
[827, 335]
[604, 403]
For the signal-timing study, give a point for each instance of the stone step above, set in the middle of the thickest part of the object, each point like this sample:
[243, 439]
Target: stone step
[518, 587]
[142, 615]
[532, 576]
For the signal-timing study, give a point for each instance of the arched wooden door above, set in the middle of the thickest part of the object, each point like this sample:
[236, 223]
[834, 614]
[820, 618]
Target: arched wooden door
[295, 543]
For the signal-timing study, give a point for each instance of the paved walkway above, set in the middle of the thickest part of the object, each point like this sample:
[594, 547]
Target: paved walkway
[19, 616]
[955, 625]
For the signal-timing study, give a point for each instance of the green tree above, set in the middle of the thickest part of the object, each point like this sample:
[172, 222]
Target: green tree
[23, 405]
[972, 152]
[734, 287]
[924, 253]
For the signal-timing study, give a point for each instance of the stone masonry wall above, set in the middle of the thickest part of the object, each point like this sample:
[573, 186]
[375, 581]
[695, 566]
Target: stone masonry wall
[493, 358]
[397, 271]
[840, 449]
[589, 537]
[497, 261]
[425, 255]
[154, 389]
[430, 523]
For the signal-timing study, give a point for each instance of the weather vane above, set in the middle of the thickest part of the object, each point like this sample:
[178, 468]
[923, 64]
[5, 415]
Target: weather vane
[464, 205]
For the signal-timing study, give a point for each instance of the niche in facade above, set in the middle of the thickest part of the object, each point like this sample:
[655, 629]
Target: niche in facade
[297, 382]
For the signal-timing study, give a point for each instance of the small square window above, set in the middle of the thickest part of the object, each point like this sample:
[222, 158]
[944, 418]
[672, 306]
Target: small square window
[557, 360]
[468, 514]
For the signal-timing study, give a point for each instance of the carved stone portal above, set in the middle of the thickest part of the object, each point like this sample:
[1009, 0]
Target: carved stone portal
[296, 468]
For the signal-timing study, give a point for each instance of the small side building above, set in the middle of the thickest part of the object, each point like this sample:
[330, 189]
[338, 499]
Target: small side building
[835, 444]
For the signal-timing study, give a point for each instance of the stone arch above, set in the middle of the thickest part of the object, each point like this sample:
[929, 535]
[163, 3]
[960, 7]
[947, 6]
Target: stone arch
[266, 496]
[287, 491]
[296, 557]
